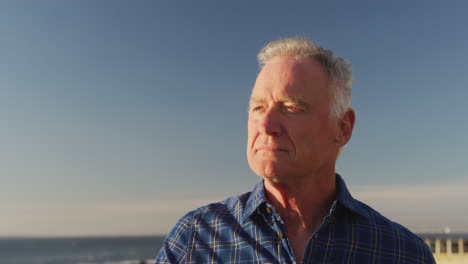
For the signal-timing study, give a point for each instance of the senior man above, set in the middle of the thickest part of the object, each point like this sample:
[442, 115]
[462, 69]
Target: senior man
[301, 211]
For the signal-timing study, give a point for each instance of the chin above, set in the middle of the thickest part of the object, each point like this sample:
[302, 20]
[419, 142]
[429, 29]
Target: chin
[270, 171]
[269, 168]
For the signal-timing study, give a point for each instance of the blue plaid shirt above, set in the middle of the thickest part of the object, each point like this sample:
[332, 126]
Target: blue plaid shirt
[247, 229]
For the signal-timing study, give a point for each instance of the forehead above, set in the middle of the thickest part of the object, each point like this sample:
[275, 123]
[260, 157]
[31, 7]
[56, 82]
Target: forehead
[284, 77]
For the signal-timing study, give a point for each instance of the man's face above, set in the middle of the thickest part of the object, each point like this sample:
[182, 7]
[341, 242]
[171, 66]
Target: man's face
[289, 131]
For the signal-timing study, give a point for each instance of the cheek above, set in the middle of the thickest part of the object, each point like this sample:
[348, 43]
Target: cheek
[251, 136]
[309, 140]
[252, 133]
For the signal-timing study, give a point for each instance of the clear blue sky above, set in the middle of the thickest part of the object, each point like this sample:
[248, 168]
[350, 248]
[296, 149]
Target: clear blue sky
[139, 103]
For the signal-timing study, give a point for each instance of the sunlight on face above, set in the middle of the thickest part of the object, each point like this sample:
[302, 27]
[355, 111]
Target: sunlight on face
[289, 133]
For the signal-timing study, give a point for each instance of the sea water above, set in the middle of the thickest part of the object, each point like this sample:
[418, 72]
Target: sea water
[97, 250]
[85, 250]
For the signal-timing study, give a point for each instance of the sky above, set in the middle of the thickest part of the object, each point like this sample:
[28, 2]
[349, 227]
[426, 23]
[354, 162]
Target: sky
[117, 117]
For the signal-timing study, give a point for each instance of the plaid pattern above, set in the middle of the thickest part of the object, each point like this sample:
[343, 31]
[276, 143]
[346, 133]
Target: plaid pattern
[247, 229]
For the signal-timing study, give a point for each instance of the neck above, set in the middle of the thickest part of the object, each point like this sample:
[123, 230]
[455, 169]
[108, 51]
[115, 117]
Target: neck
[304, 202]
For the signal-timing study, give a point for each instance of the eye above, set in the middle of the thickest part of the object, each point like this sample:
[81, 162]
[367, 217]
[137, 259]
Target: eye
[256, 108]
[292, 108]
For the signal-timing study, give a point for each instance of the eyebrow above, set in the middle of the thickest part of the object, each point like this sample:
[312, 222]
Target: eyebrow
[297, 100]
[254, 99]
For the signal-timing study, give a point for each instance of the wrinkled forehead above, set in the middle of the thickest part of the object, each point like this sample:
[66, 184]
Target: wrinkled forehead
[287, 77]
[296, 64]
[286, 66]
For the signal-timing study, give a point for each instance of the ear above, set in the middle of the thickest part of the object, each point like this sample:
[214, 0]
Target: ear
[345, 127]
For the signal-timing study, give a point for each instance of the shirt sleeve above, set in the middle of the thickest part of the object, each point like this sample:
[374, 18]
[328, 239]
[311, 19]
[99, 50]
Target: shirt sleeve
[174, 249]
[427, 255]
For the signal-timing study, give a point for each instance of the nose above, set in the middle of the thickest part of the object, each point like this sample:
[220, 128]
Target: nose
[270, 122]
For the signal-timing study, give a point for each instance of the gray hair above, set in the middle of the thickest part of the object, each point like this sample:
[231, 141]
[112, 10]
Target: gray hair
[339, 69]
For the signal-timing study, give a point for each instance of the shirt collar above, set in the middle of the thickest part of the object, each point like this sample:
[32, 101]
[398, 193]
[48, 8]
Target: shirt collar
[256, 198]
[343, 197]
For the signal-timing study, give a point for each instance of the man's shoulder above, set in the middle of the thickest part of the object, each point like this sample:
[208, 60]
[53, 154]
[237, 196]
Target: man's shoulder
[368, 219]
[375, 219]
[233, 206]
[201, 222]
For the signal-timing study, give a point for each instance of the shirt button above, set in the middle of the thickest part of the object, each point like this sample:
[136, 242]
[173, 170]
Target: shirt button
[281, 235]
[268, 210]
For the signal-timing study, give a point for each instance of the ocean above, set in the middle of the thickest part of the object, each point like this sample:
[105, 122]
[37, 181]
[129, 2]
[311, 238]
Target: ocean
[83, 250]
[104, 250]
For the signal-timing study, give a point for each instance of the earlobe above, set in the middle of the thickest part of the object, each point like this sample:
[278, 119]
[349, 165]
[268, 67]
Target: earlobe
[346, 126]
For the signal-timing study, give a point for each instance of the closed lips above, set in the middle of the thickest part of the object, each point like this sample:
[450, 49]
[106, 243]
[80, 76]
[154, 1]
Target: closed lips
[271, 149]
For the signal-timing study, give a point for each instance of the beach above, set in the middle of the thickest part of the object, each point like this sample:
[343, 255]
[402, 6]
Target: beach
[452, 259]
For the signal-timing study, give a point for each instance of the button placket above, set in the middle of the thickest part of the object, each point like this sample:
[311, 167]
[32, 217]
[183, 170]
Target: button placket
[270, 222]
[281, 235]
[269, 217]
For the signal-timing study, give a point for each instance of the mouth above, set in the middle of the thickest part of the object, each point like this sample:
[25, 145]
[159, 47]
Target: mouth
[271, 149]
